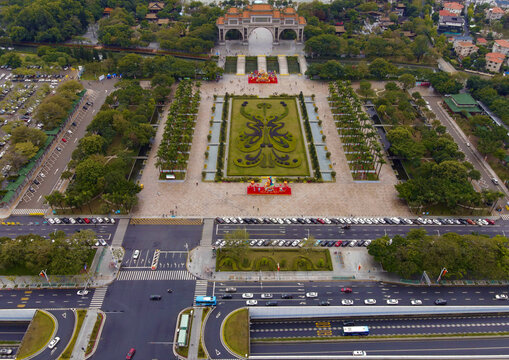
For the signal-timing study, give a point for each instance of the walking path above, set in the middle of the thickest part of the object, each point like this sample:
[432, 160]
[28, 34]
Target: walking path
[80, 347]
[194, 337]
[303, 64]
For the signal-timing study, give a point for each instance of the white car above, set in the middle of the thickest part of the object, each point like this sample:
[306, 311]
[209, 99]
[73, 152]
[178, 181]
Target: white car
[72, 221]
[112, 220]
[247, 296]
[103, 242]
[416, 302]
[266, 296]
[57, 221]
[136, 253]
[346, 302]
[366, 243]
[359, 353]
[251, 302]
[501, 297]
[311, 294]
[370, 301]
[82, 292]
[392, 301]
[53, 342]
[352, 243]
[51, 221]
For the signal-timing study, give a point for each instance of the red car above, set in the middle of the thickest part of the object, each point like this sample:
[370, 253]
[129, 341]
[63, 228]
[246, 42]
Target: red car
[338, 243]
[346, 290]
[86, 220]
[321, 221]
[64, 139]
[130, 354]
[470, 222]
[491, 222]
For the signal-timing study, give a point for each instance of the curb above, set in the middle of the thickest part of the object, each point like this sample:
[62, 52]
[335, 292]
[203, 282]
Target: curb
[177, 355]
[202, 338]
[55, 321]
[96, 343]
[223, 342]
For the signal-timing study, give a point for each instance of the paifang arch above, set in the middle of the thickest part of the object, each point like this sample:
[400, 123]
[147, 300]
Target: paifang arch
[261, 16]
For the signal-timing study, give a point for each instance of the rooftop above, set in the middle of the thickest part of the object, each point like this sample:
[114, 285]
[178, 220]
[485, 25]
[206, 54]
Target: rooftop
[497, 10]
[453, 5]
[481, 41]
[503, 43]
[495, 57]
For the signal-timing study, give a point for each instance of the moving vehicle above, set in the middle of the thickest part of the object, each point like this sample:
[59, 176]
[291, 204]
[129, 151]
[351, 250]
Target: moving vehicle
[359, 353]
[82, 292]
[266, 296]
[155, 297]
[392, 301]
[205, 301]
[311, 294]
[355, 330]
[130, 354]
[440, 302]
[346, 302]
[230, 290]
[227, 296]
[370, 301]
[247, 296]
[415, 302]
[251, 302]
[53, 342]
[501, 297]
[346, 290]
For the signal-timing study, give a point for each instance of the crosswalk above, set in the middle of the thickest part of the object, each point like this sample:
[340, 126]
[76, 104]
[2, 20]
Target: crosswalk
[98, 298]
[28, 211]
[155, 275]
[505, 216]
[200, 289]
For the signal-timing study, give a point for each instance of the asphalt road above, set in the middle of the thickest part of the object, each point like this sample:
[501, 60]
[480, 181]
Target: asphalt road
[66, 321]
[57, 161]
[12, 331]
[324, 231]
[44, 299]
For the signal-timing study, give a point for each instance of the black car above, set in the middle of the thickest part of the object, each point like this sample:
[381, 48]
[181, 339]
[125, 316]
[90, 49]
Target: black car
[155, 297]
[360, 242]
[93, 220]
[345, 243]
[31, 190]
[286, 296]
[66, 220]
[36, 182]
[227, 296]
[219, 220]
[348, 323]
[440, 302]
[266, 242]
[85, 108]
[330, 243]
[267, 221]
[73, 123]
[302, 221]
[324, 303]
[271, 303]
[79, 220]
[388, 221]
[323, 243]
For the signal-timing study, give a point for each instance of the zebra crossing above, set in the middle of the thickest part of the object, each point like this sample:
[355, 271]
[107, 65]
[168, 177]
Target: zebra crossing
[155, 275]
[98, 298]
[505, 216]
[200, 289]
[28, 211]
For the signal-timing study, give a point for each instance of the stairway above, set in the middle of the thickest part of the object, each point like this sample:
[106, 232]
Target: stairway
[283, 65]
[262, 63]
[241, 65]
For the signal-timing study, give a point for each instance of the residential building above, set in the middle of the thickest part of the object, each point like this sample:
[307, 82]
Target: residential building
[494, 61]
[107, 11]
[451, 24]
[481, 42]
[444, 12]
[503, 4]
[151, 17]
[501, 46]
[400, 9]
[464, 48]
[454, 7]
[495, 13]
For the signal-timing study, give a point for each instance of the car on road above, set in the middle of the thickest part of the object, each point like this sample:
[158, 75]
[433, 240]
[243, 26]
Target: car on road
[495, 181]
[271, 303]
[346, 290]
[130, 354]
[286, 296]
[103, 242]
[311, 294]
[346, 302]
[247, 296]
[370, 301]
[501, 297]
[136, 254]
[359, 353]
[53, 342]
[5, 351]
[324, 303]
[155, 297]
[227, 296]
[440, 302]
[251, 302]
[267, 296]
[82, 292]
[230, 290]
[392, 301]
[415, 302]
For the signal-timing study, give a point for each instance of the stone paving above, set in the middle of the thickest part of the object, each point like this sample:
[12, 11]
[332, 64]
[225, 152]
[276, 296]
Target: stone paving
[195, 198]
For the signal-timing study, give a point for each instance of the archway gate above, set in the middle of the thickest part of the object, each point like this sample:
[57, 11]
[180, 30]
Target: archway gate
[261, 16]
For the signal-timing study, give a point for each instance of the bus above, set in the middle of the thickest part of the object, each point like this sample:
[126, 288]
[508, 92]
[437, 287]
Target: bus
[355, 330]
[206, 300]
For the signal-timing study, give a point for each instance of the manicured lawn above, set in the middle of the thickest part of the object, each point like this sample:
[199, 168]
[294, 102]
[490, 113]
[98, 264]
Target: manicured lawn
[261, 144]
[38, 335]
[95, 332]
[236, 332]
[184, 350]
[68, 350]
[268, 259]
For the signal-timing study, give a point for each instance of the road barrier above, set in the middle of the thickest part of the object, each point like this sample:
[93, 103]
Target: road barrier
[155, 259]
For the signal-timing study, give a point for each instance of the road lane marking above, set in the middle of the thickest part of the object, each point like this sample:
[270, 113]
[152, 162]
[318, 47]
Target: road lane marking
[56, 171]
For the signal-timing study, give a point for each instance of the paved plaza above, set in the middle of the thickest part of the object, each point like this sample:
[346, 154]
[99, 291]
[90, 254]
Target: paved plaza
[194, 198]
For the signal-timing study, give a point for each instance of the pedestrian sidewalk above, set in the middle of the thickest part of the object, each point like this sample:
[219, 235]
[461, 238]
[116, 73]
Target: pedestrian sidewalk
[348, 264]
[194, 337]
[80, 347]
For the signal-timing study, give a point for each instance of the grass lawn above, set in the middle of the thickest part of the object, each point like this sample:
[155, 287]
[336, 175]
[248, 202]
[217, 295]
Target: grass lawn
[95, 331]
[68, 350]
[236, 332]
[268, 259]
[266, 146]
[183, 350]
[38, 335]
